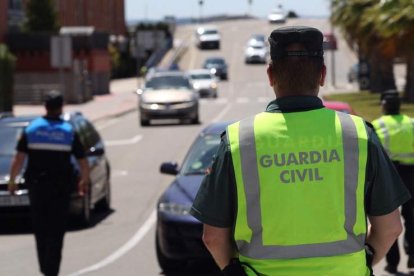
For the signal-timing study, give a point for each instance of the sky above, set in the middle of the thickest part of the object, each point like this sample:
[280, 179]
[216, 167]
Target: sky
[157, 9]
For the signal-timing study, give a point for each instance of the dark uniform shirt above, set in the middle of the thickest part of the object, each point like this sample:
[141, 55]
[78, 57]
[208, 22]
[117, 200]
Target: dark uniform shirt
[215, 203]
[52, 163]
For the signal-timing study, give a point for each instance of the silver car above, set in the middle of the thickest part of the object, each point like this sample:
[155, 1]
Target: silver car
[168, 95]
[204, 82]
[256, 50]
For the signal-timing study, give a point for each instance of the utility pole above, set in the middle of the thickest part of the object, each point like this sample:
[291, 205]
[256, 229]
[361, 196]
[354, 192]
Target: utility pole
[250, 2]
[200, 4]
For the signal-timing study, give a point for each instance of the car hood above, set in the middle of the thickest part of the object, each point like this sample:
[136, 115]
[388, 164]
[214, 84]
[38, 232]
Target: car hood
[254, 51]
[203, 83]
[210, 37]
[183, 189]
[5, 161]
[167, 96]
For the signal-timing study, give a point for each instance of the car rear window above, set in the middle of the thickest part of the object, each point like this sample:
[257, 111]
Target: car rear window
[163, 82]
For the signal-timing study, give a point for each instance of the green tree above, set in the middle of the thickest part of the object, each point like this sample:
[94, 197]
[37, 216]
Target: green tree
[357, 19]
[396, 24]
[7, 62]
[41, 16]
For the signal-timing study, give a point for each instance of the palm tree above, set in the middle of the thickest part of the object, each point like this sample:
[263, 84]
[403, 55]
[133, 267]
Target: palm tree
[357, 19]
[396, 24]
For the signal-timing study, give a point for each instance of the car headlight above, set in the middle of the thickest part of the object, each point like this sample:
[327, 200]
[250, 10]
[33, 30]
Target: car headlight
[196, 85]
[213, 70]
[174, 209]
[213, 85]
[250, 50]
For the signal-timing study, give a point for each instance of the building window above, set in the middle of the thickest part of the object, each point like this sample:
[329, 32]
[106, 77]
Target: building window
[15, 4]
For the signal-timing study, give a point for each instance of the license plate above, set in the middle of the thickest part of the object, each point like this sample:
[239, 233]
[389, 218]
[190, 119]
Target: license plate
[21, 200]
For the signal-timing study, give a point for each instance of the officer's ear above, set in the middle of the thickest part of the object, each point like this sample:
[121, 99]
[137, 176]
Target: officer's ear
[270, 76]
[323, 76]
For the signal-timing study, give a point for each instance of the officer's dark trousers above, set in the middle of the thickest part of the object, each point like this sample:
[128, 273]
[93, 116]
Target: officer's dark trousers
[49, 202]
[393, 255]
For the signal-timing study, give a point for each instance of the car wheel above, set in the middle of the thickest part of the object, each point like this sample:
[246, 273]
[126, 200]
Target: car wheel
[145, 122]
[224, 77]
[104, 204]
[166, 264]
[83, 217]
[195, 120]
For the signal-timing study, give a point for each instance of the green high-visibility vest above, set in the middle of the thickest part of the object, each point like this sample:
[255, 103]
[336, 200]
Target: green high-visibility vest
[300, 181]
[396, 133]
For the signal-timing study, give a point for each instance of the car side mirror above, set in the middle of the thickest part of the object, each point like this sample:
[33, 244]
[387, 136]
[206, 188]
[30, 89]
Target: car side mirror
[96, 151]
[169, 168]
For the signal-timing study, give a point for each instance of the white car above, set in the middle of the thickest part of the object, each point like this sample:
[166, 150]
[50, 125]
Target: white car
[256, 50]
[277, 16]
[208, 37]
[204, 82]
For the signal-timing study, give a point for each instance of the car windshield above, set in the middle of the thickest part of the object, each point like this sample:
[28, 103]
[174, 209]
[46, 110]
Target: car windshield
[200, 76]
[201, 155]
[164, 82]
[9, 134]
[215, 61]
[209, 32]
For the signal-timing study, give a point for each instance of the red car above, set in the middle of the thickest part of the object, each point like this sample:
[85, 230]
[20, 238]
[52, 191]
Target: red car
[339, 106]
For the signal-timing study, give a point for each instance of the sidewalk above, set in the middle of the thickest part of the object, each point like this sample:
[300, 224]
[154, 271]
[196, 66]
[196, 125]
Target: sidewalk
[122, 99]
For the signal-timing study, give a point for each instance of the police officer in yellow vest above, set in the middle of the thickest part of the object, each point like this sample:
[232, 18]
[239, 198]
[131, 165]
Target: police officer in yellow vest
[396, 133]
[291, 187]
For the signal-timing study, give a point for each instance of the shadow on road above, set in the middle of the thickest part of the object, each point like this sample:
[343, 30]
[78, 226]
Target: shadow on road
[196, 269]
[20, 224]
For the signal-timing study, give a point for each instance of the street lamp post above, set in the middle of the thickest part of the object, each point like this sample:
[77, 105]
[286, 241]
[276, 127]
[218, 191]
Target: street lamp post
[200, 4]
[250, 2]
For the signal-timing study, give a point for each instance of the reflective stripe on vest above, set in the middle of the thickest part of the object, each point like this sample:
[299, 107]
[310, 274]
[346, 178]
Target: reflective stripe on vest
[396, 140]
[256, 249]
[49, 135]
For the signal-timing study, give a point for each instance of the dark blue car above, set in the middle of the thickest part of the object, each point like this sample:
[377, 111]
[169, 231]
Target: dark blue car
[178, 234]
[99, 194]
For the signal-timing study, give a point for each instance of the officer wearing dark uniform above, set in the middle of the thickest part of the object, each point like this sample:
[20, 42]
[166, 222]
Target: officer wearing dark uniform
[49, 142]
[396, 133]
[290, 188]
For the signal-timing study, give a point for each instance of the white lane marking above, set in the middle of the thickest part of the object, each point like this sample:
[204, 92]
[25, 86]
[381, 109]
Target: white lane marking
[124, 142]
[130, 244]
[223, 112]
[263, 100]
[107, 124]
[119, 173]
[242, 100]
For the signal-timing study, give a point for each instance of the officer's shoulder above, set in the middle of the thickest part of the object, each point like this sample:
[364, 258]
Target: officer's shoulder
[370, 125]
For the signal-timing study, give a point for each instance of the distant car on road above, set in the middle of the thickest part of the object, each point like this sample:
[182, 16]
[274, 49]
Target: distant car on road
[339, 106]
[217, 66]
[277, 15]
[353, 73]
[168, 95]
[178, 234]
[204, 82]
[208, 37]
[256, 50]
[80, 207]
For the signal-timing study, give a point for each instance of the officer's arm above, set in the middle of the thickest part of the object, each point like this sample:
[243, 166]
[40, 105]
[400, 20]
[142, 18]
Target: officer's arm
[84, 178]
[219, 242]
[15, 169]
[383, 232]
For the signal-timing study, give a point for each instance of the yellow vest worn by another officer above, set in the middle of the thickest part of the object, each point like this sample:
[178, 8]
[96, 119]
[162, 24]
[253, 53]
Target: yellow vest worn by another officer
[300, 181]
[396, 133]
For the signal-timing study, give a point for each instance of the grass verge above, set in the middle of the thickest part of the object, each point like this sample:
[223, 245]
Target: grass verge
[367, 105]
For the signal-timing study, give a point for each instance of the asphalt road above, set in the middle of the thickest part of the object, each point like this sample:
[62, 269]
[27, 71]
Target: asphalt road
[121, 242]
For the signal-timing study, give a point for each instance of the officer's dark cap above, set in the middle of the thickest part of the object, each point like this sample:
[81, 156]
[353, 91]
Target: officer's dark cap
[391, 100]
[310, 38]
[53, 99]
